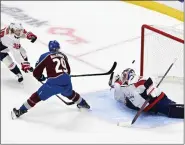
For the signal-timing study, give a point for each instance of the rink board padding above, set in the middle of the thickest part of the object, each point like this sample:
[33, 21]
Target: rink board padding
[105, 107]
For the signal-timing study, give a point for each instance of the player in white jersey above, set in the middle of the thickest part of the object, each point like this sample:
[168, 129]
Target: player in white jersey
[133, 90]
[10, 41]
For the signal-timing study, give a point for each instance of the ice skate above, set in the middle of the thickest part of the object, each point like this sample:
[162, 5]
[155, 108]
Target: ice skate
[20, 77]
[83, 104]
[17, 113]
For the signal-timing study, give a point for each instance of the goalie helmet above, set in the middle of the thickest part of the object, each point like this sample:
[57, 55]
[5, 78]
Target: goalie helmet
[127, 75]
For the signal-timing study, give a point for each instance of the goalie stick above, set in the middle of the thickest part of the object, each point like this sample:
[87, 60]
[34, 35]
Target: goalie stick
[143, 106]
[147, 100]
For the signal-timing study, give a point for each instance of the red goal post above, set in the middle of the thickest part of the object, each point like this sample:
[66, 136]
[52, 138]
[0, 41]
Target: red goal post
[159, 47]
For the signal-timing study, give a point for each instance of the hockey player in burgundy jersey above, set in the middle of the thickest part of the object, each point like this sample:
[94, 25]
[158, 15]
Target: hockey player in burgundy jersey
[133, 90]
[58, 80]
[10, 41]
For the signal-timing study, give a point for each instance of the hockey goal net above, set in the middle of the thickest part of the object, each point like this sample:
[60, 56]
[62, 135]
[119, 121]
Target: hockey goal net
[160, 46]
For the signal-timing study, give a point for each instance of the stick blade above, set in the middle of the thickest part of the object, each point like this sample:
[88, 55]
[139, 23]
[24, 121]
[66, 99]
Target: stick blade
[124, 124]
[113, 68]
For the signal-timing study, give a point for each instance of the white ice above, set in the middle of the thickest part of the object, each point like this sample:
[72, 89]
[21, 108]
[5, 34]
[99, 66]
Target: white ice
[112, 30]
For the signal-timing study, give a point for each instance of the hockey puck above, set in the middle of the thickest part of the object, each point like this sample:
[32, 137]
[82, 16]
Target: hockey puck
[133, 61]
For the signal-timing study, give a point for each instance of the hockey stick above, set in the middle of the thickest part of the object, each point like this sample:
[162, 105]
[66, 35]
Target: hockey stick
[67, 103]
[112, 74]
[110, 80]
[98, 74]
[147, 100]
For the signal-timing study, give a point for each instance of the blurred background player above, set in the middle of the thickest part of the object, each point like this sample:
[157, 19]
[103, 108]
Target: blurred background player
[10, 41]
[133, 90]
[58, 82]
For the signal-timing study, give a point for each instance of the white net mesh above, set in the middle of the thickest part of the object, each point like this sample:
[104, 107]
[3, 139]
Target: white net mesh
[160, 51]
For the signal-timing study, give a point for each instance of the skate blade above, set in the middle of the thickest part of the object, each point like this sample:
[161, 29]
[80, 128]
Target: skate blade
[13, 115]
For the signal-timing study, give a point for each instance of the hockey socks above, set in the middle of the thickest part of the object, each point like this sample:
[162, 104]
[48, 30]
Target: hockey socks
[31, 102]
[75, 97]
[17, 72]
[81, 103]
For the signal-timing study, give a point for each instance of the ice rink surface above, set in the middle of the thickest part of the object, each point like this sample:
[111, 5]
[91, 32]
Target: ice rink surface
[93, 35]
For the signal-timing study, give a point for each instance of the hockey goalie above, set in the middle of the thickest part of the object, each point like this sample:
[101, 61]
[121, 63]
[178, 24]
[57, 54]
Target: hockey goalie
[10, 41]
[133, 90]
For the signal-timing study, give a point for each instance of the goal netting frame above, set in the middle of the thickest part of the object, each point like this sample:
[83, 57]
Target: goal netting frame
[155, 29]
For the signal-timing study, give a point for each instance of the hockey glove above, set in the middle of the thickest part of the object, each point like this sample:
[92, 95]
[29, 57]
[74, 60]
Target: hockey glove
[25, 66]
[31, 37]
[148, 83]
[42, 78]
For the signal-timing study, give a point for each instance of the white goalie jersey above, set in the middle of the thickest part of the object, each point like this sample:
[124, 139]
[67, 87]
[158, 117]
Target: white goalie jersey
[131, 93]
[135, 94]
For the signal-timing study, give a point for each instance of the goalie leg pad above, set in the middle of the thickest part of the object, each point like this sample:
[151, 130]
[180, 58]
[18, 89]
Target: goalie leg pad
[176, 111]
[161, 104]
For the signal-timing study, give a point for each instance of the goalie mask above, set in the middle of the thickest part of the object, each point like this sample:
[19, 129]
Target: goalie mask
[127, 75]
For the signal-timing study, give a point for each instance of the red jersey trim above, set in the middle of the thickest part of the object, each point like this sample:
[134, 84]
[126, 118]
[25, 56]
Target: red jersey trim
[154, 102]
[119, 82]
[139, 83]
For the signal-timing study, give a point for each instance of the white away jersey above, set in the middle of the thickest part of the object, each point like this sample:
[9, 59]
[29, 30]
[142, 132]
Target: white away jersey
[12, 42]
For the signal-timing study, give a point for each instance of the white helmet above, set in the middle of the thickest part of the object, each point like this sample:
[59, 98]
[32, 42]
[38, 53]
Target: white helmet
[16, 26]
